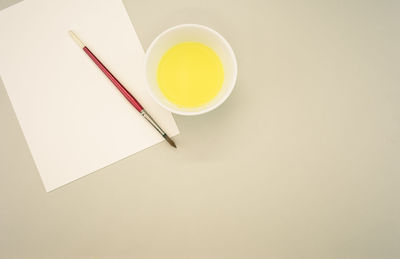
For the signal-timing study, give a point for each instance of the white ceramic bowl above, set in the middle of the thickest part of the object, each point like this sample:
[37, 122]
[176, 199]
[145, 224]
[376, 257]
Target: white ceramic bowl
[197, 33]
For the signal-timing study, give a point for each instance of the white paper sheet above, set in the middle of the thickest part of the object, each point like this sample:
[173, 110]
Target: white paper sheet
[73, 118]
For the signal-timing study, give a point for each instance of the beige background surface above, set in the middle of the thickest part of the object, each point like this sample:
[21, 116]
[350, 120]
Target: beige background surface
[302, 161]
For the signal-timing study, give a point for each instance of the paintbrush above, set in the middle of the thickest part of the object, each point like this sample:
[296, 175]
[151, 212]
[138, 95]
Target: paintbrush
[122, 89]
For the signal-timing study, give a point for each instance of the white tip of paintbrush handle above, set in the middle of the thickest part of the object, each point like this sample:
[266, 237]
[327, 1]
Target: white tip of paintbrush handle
[76, 39]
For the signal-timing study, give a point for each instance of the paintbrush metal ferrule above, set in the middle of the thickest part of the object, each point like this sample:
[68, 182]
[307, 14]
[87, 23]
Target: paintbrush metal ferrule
[148, 117]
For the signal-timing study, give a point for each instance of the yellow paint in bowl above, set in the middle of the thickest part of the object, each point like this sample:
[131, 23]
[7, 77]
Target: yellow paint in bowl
[190, 74]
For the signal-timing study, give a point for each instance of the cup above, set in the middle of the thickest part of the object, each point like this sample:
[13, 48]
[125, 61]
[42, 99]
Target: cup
[194, 33]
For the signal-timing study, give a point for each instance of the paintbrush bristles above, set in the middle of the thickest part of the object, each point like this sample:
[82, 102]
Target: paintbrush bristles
[169, 140]
[76, 39]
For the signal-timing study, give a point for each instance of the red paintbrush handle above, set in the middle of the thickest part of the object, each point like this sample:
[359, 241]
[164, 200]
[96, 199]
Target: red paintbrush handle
[114, 80]
[122, 89]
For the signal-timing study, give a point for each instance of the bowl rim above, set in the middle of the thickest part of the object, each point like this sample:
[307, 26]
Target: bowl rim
[227, 45]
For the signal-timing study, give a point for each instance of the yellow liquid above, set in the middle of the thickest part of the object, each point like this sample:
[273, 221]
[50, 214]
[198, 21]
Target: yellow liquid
[190, 74]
